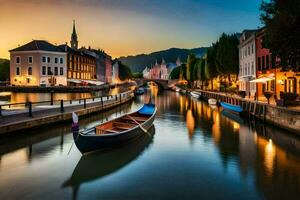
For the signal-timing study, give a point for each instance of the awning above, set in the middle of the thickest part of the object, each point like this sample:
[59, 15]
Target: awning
[85, 81]
[74, 80]
[262, 80]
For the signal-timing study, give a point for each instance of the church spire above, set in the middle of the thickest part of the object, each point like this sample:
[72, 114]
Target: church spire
[74, 38]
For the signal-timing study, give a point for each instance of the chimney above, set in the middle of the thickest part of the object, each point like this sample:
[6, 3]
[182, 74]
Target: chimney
[89, 48]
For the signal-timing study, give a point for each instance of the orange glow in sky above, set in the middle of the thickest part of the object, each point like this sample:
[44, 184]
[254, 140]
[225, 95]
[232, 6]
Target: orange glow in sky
[118, 32]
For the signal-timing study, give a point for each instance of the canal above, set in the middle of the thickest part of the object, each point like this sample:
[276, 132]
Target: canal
[197, 152]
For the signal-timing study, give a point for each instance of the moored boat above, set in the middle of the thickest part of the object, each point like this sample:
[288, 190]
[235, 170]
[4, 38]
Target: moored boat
[233, 108]
[115, 132]
[212, 101]
[195, 94]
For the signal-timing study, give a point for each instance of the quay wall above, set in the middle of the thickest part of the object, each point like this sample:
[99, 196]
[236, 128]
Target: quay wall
[285, 118]
[28, 123]
[61, 89]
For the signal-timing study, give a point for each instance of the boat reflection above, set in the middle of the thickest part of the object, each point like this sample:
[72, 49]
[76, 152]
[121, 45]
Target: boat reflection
[99, 164]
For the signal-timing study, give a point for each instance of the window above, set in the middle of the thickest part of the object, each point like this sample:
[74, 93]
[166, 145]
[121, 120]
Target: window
[55, 71]
[56, 60]
[43, 59]
[28, 80]
[61, 71]
[44, 70]
[61, 60]
[49, 71]
[267, 61]
[29, 71]
[18, 60]
[252, 49]
[48, 59]
[263, 62]
[248, 50]
[30, 59]
[18, 71]
[259, 63]
[253, 68]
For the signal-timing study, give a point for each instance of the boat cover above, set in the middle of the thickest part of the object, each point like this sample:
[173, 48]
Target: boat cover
[147, 109]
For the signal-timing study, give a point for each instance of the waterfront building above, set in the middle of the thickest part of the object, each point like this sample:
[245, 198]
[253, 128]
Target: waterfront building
[146, 73]
[81, 67]
[158, 71]
[247, 62]
[270, 77]
[38, 63]
[115, 71]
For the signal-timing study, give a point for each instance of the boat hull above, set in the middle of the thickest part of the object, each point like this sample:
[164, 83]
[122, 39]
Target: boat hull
[90, 143]
[232, 108]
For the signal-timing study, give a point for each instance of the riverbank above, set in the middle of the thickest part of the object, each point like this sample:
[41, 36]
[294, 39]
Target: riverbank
[285, 118]
[62, 89]
[57, 113]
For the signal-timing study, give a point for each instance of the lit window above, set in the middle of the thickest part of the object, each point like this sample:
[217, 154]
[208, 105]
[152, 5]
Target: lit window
[30, 59]
[18, 71]
[61, 71]
[18, 60]
[29, 71]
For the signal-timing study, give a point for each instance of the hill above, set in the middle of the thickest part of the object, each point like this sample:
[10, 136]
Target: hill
[139, 62]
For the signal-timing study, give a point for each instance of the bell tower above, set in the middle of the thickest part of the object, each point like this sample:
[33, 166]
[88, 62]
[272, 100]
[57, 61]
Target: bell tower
[74, 38]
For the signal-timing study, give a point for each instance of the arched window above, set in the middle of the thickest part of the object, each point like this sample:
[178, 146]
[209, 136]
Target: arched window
[29, 70]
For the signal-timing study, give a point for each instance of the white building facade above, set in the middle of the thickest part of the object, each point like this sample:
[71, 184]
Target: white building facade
[38, 63]
[247, 62]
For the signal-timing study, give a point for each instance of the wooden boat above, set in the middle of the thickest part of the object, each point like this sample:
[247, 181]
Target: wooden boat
[233, 108]
[212, 101]
[115, 132]
[195, 94]
[94, 166]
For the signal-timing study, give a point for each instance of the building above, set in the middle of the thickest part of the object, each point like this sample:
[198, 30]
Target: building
[247, 62]
[81, 67]
[115, 71]
[38, 63]
[270, 76]
[265, 67]
[146, 73]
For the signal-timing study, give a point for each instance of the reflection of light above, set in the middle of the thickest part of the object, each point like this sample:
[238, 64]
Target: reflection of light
[236, 126]
[216, 130]
[13, 159]
[190, 122]
[269, 157]
[255, 137]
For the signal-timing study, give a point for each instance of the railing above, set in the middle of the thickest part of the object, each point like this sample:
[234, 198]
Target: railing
[28, 107]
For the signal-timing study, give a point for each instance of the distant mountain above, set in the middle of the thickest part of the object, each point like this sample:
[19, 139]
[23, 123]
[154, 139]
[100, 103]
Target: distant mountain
[139, 62]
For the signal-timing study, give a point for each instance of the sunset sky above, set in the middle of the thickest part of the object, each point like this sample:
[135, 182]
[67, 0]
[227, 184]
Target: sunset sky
[124, 27]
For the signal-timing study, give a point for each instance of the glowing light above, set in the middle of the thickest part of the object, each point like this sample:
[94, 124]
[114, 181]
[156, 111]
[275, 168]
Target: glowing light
[190, 123]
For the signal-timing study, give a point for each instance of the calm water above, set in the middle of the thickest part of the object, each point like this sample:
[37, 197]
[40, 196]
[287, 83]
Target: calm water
[197, 152]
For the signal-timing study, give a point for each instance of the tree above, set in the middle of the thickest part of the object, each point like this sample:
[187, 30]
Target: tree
[282, 21]
[199, 71]
[227, 58]
[124, 72]
[210, 65]
[190, 64]
[4, 70]
[137, 75]
[175, 73]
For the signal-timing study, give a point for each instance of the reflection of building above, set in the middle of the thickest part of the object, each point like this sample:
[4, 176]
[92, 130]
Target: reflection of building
[247, 69]
[38, 63]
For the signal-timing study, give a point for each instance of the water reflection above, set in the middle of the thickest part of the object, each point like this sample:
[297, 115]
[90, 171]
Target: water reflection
[251, 160]
[96, 165]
